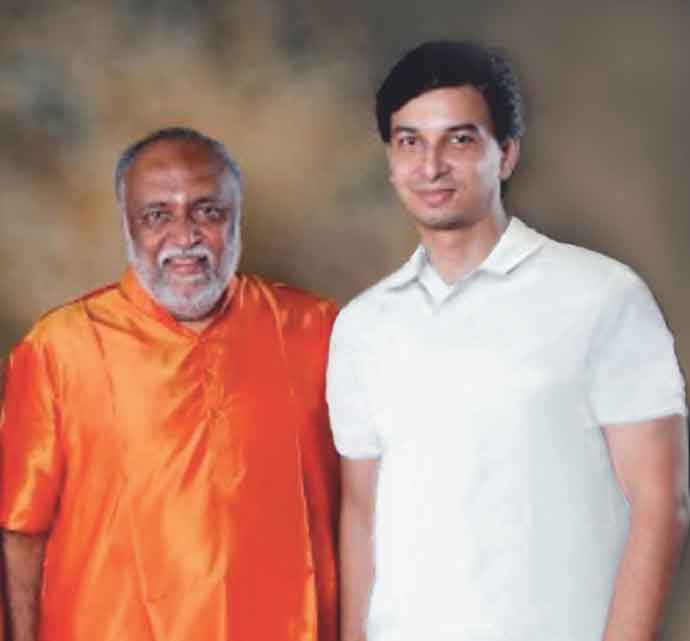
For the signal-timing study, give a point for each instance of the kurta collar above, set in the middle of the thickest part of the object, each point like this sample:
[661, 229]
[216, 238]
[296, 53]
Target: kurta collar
[136, 294]
[517, 243]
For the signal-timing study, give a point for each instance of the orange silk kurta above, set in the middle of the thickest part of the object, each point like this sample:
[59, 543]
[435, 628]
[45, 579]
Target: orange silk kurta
[188, 481]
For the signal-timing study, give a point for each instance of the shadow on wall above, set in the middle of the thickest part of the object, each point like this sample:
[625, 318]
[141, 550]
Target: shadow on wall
[289, 87]
[285, 95]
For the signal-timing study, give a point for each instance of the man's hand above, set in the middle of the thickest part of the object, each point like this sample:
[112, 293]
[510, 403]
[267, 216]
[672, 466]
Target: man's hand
[651, 463]
[24, 566]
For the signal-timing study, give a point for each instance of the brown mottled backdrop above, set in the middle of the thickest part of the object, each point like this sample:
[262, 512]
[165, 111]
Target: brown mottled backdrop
[288, 85]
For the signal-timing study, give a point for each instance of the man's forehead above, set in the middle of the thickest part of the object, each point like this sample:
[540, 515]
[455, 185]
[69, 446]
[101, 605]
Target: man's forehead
[176, 154]
[445, 108]
[177, 162]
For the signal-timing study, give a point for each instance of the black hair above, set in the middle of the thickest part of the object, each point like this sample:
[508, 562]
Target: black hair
[445, 63]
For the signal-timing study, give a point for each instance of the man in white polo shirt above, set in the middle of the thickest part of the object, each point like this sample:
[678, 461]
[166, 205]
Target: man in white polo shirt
[509, 409]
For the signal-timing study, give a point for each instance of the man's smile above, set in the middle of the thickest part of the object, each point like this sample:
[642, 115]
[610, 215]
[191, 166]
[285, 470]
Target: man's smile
[435, 197]
[186, 264]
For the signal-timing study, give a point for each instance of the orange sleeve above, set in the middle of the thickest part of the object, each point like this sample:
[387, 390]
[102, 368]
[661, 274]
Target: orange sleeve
[322, 479]
[30, 457]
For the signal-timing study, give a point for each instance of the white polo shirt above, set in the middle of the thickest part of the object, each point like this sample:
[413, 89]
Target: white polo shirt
[498, 515]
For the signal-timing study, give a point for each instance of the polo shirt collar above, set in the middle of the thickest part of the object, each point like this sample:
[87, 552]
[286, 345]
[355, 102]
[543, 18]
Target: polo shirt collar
[517, 243]
[410, 271]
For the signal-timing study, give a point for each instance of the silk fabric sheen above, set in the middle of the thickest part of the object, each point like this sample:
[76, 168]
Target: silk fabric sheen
[188, 481]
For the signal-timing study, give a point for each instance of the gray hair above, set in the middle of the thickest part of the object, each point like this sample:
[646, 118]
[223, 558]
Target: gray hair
[178, 133]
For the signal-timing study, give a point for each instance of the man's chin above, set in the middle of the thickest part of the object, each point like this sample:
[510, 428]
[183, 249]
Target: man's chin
[190, 303]
[445, 221]
[190, 315]
[186, 290]
[186, 298]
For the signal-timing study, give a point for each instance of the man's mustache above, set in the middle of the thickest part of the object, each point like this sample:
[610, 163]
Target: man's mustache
[199, 251]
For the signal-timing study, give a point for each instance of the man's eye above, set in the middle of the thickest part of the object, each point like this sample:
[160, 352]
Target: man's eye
[407, 141]
[211, 212]
[462, 139]
[154, 217]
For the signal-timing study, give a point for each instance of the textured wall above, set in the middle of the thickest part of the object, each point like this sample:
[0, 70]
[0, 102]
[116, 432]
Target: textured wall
[288, 85]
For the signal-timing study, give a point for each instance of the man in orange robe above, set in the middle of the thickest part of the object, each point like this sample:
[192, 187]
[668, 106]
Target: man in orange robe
[167, 468]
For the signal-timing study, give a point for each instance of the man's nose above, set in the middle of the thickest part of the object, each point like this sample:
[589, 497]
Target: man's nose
[434, 164]
[185, 231]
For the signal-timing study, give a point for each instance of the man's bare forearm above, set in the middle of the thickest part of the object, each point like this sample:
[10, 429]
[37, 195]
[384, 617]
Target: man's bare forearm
[24, 567]
[650, 559]
[356, 574]
[650, 459]
[359, 479]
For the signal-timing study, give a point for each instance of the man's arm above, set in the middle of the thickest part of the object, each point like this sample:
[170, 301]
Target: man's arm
[359, 477]
[650, 460]
[24, 568]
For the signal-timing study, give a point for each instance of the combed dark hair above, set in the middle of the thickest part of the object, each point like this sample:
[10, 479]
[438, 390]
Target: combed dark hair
[176, 133]
[445, 63]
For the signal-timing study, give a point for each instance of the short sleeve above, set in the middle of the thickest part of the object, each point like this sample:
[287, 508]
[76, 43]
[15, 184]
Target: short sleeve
[348, 404]
[634, 371]
[30, 459]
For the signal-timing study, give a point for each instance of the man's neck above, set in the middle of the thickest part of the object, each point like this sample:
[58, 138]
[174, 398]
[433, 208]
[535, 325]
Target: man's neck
[198, 326]
[454, 253]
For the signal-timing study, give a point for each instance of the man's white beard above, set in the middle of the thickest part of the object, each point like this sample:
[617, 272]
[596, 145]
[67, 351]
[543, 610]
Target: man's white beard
[199, 303]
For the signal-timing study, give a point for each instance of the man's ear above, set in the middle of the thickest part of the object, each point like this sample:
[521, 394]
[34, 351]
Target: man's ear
[510, 154]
